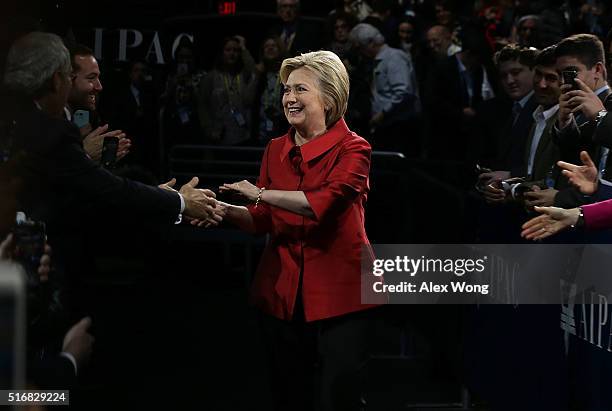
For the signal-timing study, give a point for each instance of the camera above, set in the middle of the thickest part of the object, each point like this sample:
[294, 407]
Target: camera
[109, 152]
[569, 77]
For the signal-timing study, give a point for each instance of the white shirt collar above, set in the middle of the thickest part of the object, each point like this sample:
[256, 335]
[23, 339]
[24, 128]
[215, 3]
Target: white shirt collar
[525, 99]
[601, 89]
[540, 113]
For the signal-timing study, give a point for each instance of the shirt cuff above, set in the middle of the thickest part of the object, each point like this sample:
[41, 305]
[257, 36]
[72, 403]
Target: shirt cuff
[182, 203]
[179, 217]
[72, 360]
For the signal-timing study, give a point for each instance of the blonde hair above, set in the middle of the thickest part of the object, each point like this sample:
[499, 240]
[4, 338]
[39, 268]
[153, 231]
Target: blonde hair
[333, 80]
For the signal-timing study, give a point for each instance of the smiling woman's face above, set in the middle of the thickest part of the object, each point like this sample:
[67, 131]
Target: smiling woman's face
[302, 100]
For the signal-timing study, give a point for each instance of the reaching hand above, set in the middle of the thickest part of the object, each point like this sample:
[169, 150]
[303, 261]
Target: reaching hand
[243, 188]
[199, 203]
[79, 342]
[584, 177]
[169, 185]
[552, 220]
[220, 212]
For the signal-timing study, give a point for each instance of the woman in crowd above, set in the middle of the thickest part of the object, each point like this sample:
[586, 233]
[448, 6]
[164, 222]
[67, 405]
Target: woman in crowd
[226, 95]
[269, 119]
[310, 199]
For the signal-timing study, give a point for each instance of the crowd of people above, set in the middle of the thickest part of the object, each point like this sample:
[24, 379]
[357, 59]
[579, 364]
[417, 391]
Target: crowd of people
[517, 92]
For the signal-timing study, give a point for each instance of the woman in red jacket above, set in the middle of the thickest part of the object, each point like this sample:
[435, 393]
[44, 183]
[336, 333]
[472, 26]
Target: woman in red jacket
[310, 198]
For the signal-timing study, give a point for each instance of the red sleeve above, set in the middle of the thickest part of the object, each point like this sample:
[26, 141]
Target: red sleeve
[598, 216]
[348, 179]
[261, 214]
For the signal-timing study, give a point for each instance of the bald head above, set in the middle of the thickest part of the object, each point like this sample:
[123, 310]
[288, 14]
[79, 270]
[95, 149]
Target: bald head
[439, 39]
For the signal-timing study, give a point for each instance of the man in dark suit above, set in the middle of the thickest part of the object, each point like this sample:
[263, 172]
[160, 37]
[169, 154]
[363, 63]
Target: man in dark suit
[515, 68]
[297, 34]
[61, 185]
[455, 88]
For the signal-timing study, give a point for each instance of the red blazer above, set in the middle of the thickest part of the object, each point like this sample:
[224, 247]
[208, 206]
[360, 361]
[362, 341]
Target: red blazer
[327, 248]
[598, 216]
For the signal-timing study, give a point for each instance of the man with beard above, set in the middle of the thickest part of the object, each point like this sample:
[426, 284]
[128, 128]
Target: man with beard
[83, 96]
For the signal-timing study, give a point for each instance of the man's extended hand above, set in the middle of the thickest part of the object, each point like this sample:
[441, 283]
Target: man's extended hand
[199, 203]
[584, 177]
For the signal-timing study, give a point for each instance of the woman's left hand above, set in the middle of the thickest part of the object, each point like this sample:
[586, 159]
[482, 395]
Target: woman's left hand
[244, 188]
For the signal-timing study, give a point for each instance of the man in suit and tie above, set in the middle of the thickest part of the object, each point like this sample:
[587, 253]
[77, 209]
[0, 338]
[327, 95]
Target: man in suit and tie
[515, 67]
[298, 35]
[455, 88]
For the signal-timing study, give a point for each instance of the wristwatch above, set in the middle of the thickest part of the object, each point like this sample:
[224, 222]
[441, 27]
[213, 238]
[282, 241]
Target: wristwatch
[580, 221]
[600, 116]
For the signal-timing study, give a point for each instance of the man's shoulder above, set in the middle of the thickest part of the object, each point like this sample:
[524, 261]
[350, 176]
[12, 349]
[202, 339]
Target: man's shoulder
[38, 131]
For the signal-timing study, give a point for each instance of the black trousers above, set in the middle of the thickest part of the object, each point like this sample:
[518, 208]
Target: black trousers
[317, 365]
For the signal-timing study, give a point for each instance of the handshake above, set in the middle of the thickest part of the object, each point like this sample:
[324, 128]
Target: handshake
[201, 205]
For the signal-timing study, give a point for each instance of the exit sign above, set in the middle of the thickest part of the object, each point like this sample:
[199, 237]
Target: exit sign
[227, 8]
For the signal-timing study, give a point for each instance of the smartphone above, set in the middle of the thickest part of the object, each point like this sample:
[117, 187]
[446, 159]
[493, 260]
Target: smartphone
[13, 326]
[569, 77]
[30, 237]
[109, 152]
[80, 118]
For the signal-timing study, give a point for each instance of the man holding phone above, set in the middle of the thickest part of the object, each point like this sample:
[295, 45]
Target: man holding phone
[82, 100]
[582, 106]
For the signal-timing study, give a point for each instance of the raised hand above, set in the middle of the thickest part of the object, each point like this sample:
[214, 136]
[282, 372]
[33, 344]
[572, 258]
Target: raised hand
[584, 100]
[584, 177]
[552, 220]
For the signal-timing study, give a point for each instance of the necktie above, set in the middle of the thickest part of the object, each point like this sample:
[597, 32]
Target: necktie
[516, 112]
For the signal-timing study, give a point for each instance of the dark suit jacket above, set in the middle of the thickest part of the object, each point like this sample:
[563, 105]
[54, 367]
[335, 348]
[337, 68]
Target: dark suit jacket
[69, 192]
[515, 142]
[307, 38]
[446, 127]
[547, 152]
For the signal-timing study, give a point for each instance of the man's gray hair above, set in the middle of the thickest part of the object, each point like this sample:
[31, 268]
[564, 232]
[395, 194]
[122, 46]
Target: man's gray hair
[364, 34]
[33, 59]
